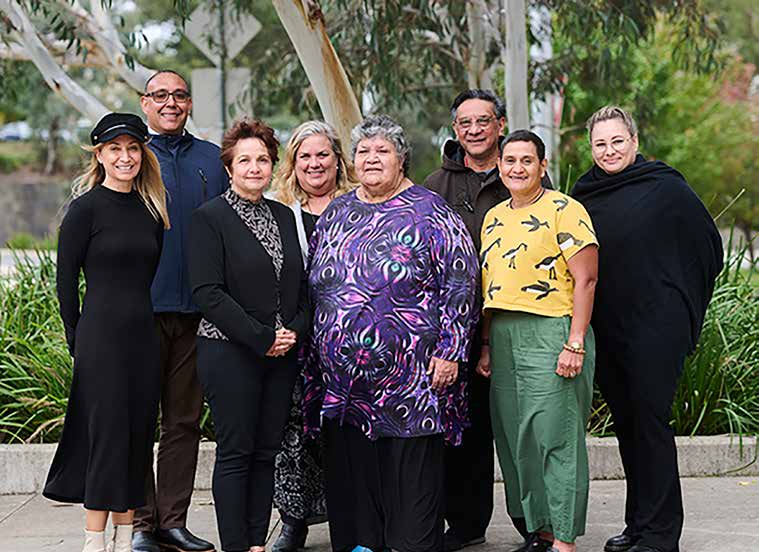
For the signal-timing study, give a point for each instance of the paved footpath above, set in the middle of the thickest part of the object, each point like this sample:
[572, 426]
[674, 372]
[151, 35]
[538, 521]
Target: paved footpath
[721, 514]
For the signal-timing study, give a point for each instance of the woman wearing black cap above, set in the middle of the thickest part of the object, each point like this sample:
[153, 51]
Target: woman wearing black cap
[113, 231]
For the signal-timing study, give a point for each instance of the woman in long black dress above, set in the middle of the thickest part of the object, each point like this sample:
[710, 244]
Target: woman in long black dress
[313, 173]
[113, 231]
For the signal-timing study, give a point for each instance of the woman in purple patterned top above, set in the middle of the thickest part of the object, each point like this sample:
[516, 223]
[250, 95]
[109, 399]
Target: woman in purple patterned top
[393, 280]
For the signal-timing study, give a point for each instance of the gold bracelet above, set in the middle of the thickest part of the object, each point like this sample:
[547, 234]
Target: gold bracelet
[579, 350]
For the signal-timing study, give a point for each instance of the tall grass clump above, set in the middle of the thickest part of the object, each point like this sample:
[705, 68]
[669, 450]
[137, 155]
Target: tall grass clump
[35, 366]
[719, 388]
[718, 391]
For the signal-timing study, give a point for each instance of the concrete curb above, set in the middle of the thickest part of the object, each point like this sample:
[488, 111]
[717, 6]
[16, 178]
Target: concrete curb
[23, 468]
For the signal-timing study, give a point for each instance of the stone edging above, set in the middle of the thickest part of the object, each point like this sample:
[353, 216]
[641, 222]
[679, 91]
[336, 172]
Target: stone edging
[23, 468]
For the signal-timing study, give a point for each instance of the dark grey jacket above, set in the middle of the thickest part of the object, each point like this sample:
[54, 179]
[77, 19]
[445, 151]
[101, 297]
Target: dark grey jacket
[469, 193]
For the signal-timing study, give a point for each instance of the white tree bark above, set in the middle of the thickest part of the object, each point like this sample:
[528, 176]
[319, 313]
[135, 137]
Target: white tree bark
[108, 39]
[60, 53]
[304, 23]
[24, 33]
[515, 62]
[100, 26]
[478, 75]
[545, 112]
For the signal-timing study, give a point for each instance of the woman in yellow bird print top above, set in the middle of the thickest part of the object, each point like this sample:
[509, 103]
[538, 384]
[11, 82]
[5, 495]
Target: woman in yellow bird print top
[539, 262]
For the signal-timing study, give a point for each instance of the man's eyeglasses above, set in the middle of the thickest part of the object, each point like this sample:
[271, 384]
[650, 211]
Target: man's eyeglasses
[162, 96]
[617, 144]
[482, 122]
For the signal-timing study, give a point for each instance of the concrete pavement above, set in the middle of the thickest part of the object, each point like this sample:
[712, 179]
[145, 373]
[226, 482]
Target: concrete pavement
[722, 514]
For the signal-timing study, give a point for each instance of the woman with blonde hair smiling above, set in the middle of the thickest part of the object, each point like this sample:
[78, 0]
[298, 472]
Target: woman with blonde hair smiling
[113, 231]
[660, 255]
[313, 173]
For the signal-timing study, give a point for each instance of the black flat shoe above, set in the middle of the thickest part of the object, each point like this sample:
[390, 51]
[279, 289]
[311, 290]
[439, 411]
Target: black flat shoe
[144, 541]
[291, 537]
[181, 540]
[643, 548]
[451, 541]
[620, 543]
[534, 543]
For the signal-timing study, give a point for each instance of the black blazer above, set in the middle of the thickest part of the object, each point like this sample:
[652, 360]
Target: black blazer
[232, 277]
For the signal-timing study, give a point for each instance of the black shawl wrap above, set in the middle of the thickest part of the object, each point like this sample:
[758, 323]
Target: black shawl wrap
[659, 256]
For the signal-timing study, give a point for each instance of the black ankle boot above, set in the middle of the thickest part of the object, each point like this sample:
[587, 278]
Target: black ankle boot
[291, 537]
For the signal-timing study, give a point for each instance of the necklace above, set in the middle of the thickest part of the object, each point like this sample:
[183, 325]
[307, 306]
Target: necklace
[535, 200]
[310, 210]
[369, 199]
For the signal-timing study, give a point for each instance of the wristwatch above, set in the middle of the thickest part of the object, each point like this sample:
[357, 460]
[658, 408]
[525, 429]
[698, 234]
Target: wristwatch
[574, 347]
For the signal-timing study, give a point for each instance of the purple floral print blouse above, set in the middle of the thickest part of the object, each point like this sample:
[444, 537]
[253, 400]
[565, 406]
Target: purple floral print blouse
[392, 284]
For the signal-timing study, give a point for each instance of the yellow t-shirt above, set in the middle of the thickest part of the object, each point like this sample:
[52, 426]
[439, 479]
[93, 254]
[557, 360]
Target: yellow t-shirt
[525, 251]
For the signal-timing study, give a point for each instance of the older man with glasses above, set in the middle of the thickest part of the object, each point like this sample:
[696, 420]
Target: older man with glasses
[469, 181]
[192, 173]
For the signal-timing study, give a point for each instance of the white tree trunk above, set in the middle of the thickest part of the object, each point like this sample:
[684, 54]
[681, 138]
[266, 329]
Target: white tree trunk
[544, 112]
[108, 39]
[58, 49]
[515, 61]
[478, 74]
[304, 23]
[23, 32]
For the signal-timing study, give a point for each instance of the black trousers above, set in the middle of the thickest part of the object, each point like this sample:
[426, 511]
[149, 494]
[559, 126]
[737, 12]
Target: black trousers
[250, 399]
[168, 495]
[385, 493]
[639, 383]
[469, 500]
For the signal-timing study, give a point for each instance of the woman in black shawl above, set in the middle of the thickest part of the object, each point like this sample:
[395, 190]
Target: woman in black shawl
[660, 254]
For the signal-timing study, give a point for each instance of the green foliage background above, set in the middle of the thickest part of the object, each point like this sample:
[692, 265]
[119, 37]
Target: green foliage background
[670, 63]
[719, 392]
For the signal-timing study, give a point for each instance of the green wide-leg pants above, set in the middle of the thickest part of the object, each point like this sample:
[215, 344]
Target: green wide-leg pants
[539, 421]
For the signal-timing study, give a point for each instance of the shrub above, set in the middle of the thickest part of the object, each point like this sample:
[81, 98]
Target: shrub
[23, 240]
[719, 391]
[15, 155]
[35, 366]
[719, 388]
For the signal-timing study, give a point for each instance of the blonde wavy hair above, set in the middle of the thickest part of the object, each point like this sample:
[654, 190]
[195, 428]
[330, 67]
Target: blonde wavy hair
[148, 182]
[286, 187]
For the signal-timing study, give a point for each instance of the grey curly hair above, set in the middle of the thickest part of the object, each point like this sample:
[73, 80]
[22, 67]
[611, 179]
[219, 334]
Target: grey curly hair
[384, 127]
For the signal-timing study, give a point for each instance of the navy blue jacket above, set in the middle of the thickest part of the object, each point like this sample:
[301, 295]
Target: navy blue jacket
[192, 173]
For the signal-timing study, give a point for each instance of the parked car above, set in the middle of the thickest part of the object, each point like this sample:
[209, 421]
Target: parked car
[17, 130]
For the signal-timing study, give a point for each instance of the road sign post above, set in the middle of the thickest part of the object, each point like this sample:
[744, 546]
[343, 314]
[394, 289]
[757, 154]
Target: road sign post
[220, 34]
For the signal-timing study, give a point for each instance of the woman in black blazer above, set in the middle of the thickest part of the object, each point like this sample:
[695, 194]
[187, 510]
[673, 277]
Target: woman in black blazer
[247, 277]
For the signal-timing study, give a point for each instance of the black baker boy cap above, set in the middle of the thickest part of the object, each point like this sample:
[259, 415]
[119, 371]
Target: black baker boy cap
[114, 125]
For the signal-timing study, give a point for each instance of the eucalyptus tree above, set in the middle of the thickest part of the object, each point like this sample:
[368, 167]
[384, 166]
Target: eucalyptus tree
[379, 54]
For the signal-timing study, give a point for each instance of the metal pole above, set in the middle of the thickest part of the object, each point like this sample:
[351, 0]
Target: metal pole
[222, 67]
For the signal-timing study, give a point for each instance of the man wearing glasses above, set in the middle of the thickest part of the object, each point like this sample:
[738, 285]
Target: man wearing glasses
[192, 173]
[469, 181]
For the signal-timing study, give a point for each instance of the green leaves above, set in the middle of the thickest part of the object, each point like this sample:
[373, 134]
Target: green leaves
[719, 387]
[35, 366]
